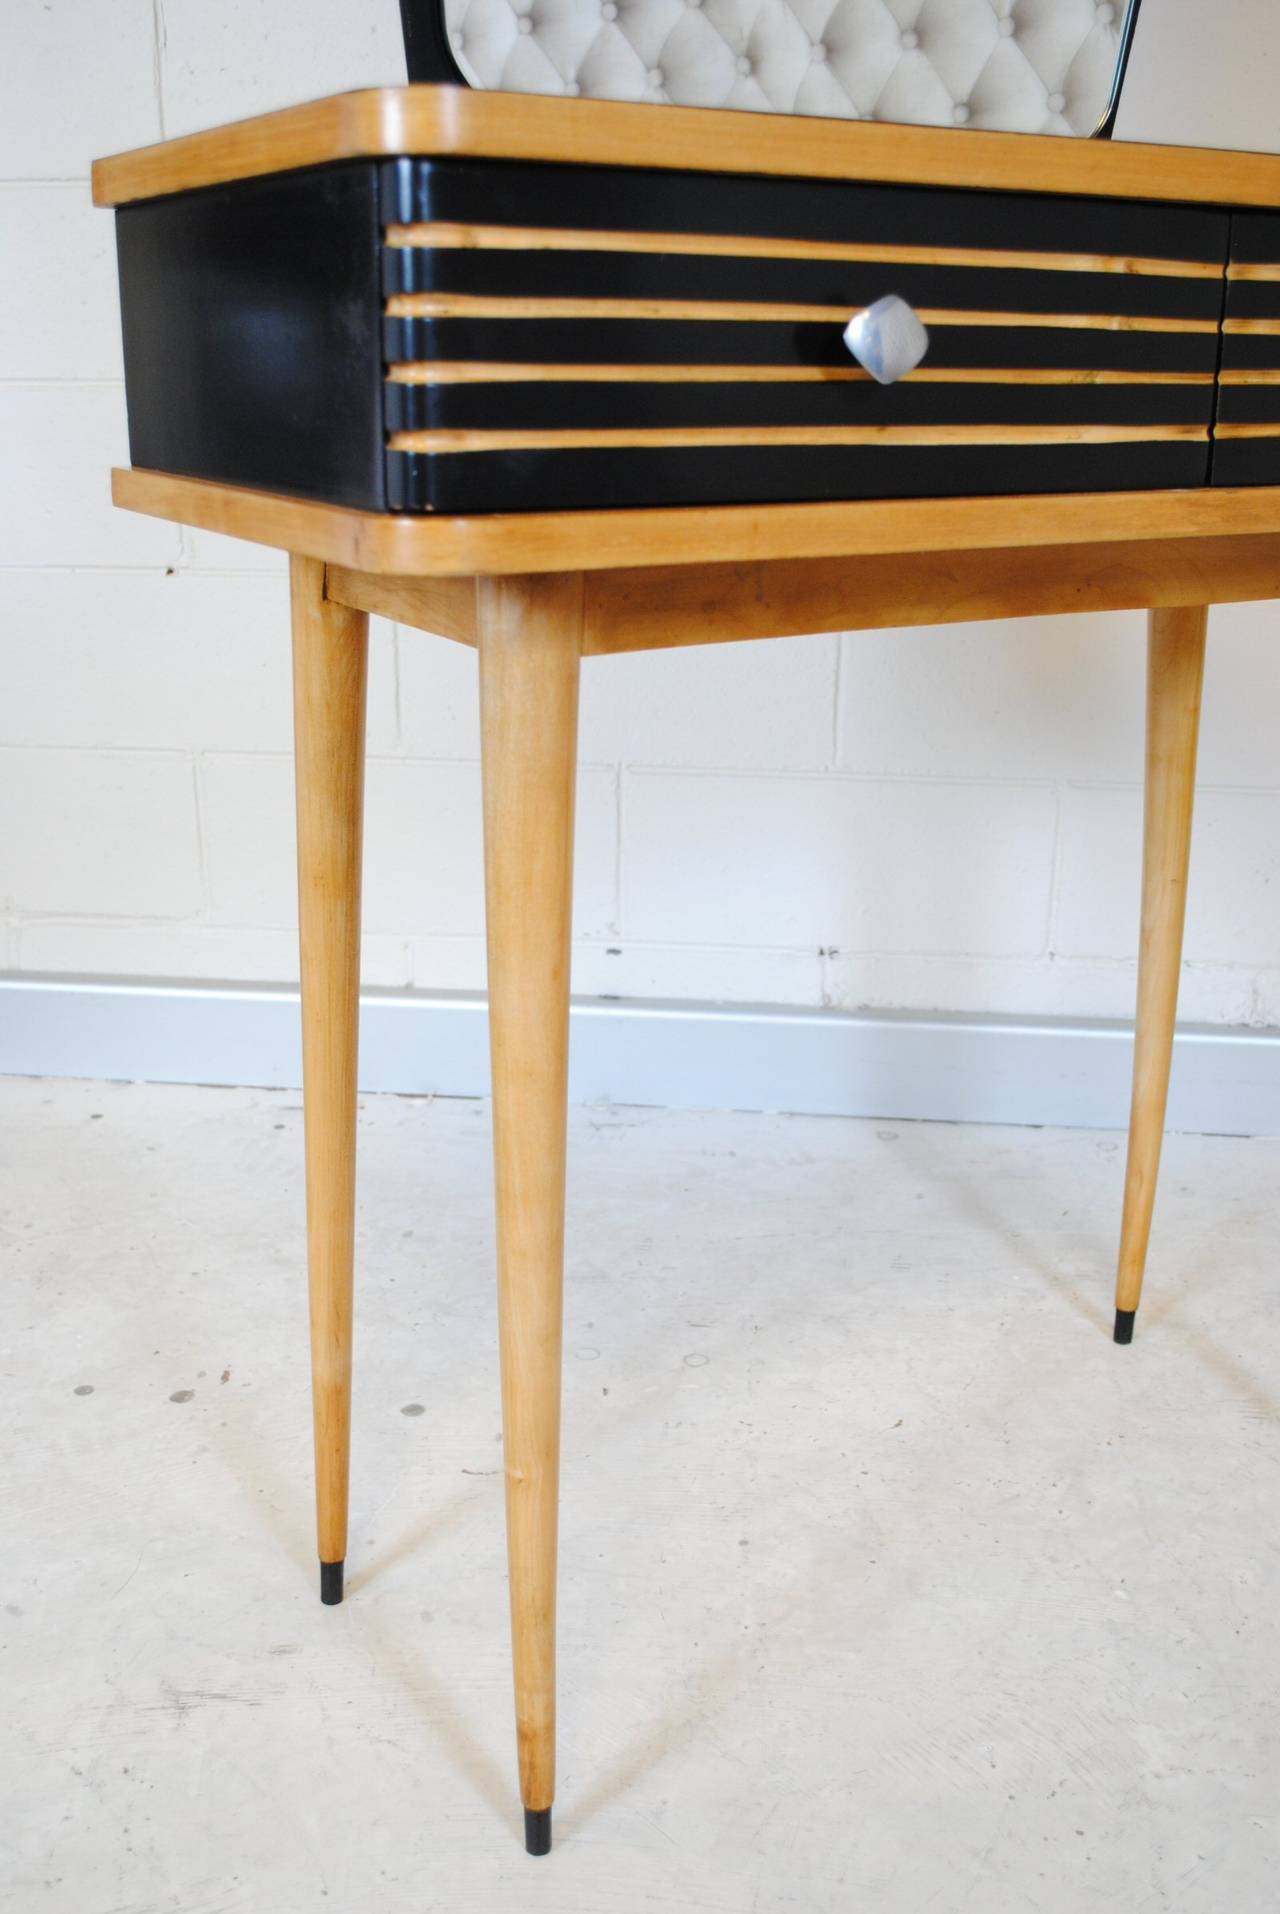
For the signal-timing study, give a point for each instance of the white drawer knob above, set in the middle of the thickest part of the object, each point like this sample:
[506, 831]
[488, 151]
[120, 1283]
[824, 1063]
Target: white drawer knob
[887, 339]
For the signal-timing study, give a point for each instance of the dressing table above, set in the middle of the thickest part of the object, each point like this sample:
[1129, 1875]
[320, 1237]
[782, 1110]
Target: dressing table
[566, 377]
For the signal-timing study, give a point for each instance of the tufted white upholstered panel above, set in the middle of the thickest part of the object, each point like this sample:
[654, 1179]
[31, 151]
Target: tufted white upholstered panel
[1031, 66]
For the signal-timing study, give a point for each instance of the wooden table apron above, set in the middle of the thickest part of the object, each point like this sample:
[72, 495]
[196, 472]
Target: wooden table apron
[533, 591]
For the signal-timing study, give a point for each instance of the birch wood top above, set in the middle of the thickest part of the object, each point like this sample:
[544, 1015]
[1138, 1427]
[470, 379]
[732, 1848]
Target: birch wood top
[658, 607]
[420, 546]
[441, 120]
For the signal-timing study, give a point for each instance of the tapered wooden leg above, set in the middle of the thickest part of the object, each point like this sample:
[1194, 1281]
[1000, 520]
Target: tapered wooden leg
[330, 656]
[530, 632]
[1175, 673]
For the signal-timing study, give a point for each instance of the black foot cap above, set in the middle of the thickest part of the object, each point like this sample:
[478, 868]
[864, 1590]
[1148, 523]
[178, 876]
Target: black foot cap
[1124, 1324]
[331, 1583]
[537, 1830]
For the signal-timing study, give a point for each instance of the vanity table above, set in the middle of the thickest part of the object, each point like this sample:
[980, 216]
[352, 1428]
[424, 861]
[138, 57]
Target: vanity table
[560, 378]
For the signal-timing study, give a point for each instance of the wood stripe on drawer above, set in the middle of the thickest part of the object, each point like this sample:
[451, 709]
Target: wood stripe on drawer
[459, 372]
[694, 437]
[727, 270]
[438, 233]
[471, 193]
[436, 305]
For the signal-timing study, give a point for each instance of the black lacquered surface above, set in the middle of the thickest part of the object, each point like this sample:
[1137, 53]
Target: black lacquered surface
[1249, 395]
[251, 333]
[583, 480]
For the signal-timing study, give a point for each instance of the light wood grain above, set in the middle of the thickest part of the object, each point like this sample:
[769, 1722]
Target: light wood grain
[530, 633]
[453, 234]
[330, 649]
[464, 305]
[443, 605]
[1267, 429]
[1175, 674]
[691, 437]
[442, 120]
[505, 372]
[658, 607]
[521, 542]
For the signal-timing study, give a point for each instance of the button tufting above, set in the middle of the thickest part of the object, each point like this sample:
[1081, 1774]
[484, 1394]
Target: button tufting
[802, 66]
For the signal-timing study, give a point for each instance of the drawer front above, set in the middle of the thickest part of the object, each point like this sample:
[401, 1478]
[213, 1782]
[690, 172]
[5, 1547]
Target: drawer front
[575, 337]
[1246, 448]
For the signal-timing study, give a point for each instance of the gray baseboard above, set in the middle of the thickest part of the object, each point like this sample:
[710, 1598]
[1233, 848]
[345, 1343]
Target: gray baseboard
[690, 1056]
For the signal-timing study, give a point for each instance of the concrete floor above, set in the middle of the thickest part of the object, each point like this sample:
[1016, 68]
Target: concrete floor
[888, 1583]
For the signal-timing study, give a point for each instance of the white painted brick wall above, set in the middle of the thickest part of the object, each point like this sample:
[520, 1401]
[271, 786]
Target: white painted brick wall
[103, 832]
[929, 819]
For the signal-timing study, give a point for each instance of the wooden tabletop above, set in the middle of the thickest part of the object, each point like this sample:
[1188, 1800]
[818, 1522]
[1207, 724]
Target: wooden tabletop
[431, 120]
[421, 546]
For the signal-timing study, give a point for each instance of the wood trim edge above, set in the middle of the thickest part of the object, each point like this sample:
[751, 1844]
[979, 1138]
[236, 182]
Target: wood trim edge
[446, 606]
[422, 546]
[662, 607]
[386, 121]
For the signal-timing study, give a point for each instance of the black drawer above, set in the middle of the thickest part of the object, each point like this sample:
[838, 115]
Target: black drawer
[1246, 447]
[576, 337]
[469, 335]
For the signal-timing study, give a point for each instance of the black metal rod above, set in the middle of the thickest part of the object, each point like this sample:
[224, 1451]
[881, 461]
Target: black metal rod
[427, 52]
